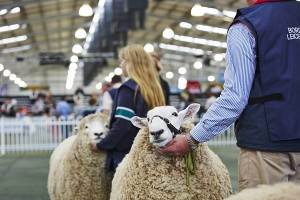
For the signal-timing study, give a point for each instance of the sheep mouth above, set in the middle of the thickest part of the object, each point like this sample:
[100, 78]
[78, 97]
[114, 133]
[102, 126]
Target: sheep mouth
[97, 139]
[158, 141]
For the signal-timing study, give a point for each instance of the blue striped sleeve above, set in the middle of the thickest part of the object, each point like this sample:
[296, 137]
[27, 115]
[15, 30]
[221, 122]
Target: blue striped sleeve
[239, 75]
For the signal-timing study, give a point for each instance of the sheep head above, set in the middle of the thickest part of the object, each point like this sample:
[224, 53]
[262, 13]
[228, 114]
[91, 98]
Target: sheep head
[157, 121]
[94, 126]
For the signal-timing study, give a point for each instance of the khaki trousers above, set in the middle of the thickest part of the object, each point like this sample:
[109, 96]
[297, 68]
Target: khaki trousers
[260, 167]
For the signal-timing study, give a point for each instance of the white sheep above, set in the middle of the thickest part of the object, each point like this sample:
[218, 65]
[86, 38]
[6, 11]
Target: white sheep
[76, 172]
[279, 191]
[146, 174]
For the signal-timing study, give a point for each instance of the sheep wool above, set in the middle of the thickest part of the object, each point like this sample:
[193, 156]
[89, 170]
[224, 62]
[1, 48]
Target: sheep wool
[76, 172]
[279, 191]
[146, 174]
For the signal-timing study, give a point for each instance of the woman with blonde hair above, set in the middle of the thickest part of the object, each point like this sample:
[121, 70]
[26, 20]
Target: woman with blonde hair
[138, 94]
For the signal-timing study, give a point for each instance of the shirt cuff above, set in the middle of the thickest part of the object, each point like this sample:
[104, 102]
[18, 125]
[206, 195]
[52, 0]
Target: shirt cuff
[200, 134]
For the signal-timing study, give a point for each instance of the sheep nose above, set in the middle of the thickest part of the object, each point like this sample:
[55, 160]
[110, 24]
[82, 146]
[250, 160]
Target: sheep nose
[156, 134]
[98, 134]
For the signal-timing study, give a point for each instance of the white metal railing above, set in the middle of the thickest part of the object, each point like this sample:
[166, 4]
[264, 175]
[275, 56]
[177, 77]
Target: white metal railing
[42, 134]
[34, 134]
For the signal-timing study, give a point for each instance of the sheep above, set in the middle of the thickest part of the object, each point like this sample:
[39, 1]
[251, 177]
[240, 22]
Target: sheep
[278, 191]
[76, 172]
[144, 173]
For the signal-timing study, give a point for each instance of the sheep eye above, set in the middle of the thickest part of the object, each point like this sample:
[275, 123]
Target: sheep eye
[148, 118]
[175, 114]
[106, 126]
[86, 127]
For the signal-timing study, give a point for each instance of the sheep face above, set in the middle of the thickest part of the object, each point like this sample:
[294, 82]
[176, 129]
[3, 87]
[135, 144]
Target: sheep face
[96, 129]
[95, 126]
[157, 118]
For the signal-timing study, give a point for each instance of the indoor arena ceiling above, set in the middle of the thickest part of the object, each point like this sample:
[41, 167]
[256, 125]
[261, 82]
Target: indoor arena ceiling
[31, 29]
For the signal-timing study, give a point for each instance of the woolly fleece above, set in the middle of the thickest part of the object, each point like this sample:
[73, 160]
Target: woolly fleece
[279, 191]
[80, 173]
[146, 174]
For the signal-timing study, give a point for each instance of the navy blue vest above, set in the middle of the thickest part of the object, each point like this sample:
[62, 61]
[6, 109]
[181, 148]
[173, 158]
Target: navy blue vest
[113, 92]
[271, 122]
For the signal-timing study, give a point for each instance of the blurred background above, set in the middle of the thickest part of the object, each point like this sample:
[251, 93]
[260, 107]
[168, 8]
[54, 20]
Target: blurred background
[64, 44]
[64, 50]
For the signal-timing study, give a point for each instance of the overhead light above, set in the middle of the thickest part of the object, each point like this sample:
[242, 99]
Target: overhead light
[3, 11]
[182, 70]
[198, 64]
[85, 10]
[74, 59]
[218, 57]
[107, 78]
[12, 77]
[6, 72]
[80, 33]
[230, 14]
[9, 28]
[149, 47]
[211, 78]
[15, 49]
[99, 86]
[23, 84]
[181, 49]
[169, 75]
[73, 66]
[77, 48]
[1, 67]
[202, 41]
[118, 71]
[182, 83]
[168, 33]
[197, 10]
[211, 29]
[17, 81]
[13, 39]
[111, 74]
[186, 25]
[15, 10]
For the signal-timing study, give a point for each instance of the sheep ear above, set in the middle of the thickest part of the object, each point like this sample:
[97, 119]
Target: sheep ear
[189, 112]
[139, 122]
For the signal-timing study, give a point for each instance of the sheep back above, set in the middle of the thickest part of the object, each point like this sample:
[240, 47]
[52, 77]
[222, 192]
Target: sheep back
[146, 174]
[279, 191]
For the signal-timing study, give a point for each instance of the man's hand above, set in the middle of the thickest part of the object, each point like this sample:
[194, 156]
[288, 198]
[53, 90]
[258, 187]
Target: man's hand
[93, 146]
[176, 147]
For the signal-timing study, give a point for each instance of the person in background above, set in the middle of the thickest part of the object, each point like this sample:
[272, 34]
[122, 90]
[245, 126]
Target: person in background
[164, 84]
[261, 95]
[105, 86]
[139, 93]
[109, 95]
[50, 104]
[9, 107]
[33, 96]
[92, 107]
[63, 109]
[212, 94]
[78, 96]
[79, 102]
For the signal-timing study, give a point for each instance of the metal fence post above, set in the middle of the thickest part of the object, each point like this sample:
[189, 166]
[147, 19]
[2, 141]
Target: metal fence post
[2, 136]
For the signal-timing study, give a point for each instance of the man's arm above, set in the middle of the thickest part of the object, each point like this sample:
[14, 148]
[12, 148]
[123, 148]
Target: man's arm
[239, 75]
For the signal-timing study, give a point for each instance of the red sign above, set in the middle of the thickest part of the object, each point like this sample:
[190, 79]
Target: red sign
[193, 87]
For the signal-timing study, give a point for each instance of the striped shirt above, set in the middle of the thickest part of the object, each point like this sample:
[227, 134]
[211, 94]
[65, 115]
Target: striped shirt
[239, 75]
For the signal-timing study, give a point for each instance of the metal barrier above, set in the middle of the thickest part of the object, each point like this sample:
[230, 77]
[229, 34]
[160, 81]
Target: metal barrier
[42, 134]
[34, 134]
